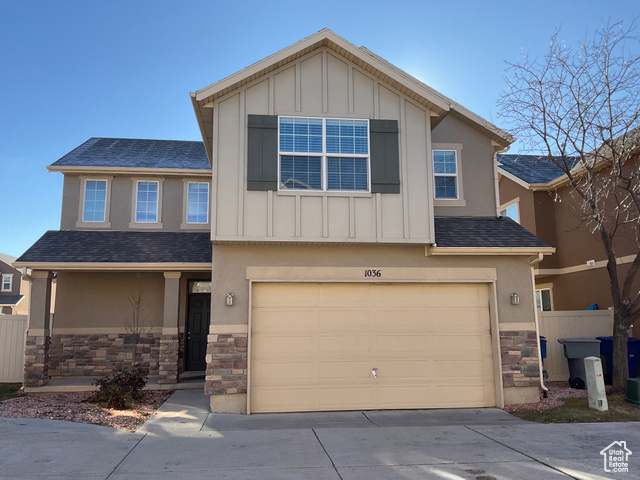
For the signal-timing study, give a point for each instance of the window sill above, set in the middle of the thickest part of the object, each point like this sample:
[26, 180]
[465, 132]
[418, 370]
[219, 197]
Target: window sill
[449, 203]
[195, 226]
[81, 224]
[317, 193]
[150, 226]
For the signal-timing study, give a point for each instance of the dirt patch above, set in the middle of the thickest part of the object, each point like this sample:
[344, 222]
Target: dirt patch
[558, 391]
[70, 407]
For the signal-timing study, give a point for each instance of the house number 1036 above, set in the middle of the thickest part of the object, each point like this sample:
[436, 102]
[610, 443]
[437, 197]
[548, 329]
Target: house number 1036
[372, 273]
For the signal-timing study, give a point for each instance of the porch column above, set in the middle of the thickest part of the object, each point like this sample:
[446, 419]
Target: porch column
[169, 360]
[38, 339]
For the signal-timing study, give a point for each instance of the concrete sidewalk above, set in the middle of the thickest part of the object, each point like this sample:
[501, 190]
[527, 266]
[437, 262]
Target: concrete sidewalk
[184, 441]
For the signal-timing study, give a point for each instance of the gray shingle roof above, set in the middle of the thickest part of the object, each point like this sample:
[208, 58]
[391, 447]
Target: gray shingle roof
[483, 232]
[119, 247]
[136, 153]
[532, 168]
[10, 299]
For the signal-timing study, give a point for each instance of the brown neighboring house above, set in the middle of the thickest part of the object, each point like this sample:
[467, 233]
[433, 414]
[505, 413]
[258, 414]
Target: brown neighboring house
[345, 250]
[536, 194]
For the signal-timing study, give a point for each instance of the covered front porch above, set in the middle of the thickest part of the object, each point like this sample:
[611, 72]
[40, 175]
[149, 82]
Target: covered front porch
[117, 304]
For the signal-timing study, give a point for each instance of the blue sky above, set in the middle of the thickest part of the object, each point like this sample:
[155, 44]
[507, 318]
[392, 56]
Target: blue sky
[72, 70]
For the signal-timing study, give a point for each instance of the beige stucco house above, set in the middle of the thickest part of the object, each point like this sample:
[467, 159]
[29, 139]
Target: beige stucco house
[353, 254]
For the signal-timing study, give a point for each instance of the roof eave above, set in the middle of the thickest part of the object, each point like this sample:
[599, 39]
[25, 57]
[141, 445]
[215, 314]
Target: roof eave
[128, 170]
[431, 250]
[109, 266]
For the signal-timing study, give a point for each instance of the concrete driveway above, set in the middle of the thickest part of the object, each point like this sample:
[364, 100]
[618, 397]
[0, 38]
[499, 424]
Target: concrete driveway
[184, 441]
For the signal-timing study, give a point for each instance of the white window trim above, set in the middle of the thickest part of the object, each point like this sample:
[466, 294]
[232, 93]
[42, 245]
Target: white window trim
[510, 203]
[539, 288]
[449, 202]
[323, 166]
[185, 225]
[107, 207]
[8, 276]
[134, 203]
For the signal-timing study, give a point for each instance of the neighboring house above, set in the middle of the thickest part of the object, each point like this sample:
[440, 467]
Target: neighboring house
[353, 259]
[536, 193]
[11, 296]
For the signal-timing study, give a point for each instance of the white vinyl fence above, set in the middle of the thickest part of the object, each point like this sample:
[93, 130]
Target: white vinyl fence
[567, 324]
[12, 331]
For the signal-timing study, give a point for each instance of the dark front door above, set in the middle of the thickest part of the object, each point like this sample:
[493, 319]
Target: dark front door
[197, 330]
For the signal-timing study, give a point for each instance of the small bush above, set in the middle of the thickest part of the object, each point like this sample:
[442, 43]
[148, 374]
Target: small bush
[119, 389]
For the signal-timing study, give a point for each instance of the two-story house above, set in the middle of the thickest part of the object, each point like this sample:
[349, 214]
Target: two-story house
[537, 194]
[11, 295]
[355, 252]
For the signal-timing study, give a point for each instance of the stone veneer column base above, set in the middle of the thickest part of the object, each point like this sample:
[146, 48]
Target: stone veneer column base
[169, 359]
[36, 360]
[226, 373]
[520, 368]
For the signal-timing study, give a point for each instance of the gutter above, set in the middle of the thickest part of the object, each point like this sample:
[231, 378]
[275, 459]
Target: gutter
[534, 262]
[496, 177]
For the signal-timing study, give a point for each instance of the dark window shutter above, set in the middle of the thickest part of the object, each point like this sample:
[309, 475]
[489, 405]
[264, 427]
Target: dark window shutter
[385, 156]
[262, 152]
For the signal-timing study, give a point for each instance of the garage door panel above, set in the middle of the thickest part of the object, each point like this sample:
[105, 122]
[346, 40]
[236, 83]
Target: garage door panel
[409, 319]
[278, 346]
[297, 320]
[282, 399]
[403, 345]
[471, 369]
[352, 398]
[415, 371]
[339, 320]
[460, 317]
[269, 373]
[345, 371]
[351, 345]
[430, 343]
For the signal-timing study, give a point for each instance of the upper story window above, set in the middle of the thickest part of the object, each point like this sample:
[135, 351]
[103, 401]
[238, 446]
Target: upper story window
[511, 211]
[445, 173]
[7, 282]
[323, 154]
[147, 194]
[197, 202]
[146, 206]
[95, 201]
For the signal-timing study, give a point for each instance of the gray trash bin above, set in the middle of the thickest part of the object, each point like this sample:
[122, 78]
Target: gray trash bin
[576, 350]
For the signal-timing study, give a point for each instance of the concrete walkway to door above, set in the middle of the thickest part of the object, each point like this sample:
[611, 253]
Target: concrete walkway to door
[185, 441]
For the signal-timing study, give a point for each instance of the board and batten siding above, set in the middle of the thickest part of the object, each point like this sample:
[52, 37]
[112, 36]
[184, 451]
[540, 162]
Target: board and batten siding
[12, 331]
[321, 85]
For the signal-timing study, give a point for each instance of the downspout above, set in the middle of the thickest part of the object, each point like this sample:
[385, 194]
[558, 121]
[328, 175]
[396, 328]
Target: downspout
[545, 390]
[496, 185]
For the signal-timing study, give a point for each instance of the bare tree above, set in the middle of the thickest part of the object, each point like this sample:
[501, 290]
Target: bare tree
[138, 323]
[580, 108]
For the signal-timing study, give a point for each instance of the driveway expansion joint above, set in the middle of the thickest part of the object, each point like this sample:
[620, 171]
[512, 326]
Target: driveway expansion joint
[327, 454]
[125, 457]
[522, 453]
[365, 416]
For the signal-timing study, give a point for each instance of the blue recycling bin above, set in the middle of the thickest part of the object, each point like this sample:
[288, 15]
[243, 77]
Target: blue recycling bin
[543, 347]
[633, 354]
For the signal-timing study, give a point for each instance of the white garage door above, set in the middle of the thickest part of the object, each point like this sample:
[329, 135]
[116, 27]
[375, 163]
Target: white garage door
[314, 347]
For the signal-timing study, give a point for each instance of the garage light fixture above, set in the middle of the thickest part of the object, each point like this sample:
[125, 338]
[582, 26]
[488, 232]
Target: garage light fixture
[515, 299]
[229, 300]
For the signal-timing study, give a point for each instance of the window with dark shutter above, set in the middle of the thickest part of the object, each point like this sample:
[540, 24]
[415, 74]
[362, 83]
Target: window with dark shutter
[262, 152]
[385, 156]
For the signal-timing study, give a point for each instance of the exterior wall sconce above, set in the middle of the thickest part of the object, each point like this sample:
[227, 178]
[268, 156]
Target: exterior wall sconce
[515, 299]
[229, 300]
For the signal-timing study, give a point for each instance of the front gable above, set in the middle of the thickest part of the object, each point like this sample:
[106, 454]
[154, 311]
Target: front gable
[324, 77]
